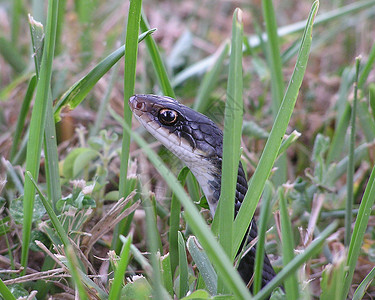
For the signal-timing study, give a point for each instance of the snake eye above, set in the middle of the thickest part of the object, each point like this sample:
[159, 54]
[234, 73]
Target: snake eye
[167, 116]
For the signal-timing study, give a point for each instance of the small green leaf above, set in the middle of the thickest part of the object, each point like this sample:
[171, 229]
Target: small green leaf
[16, 209]
[198, 294]
[203, 263]
[140, 289]
[77, 160]
[83, 160]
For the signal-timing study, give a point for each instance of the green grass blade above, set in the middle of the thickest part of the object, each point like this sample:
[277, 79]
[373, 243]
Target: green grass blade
[174, 222]
[159, 68]
[85, 11]
[291, 138]
[37, 123]
[60, 26]
[16, 17]
[232, 139]
[141, 260]
[22, 116]
[102, 111]
[361, 289]
[167, 274]
[359, 231]
[5, 292]
[11, 55]
[350, 171]
[183, 266]
[74, 270]
[263, 220]
[37, 42]
[51, 157]
[55, 221]
[131, 52]
[77, 92]
[153, 246]
[291, 283]
[50, 142]
[118, 280]
[213, 249]
[273, 55]
[277, 80]
[274, 141]
[296, 262]
[206, 270]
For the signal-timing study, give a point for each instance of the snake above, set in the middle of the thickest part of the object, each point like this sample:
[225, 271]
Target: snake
[198, 142]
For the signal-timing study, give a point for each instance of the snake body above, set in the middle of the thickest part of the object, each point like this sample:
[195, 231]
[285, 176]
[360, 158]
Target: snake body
[198, 142]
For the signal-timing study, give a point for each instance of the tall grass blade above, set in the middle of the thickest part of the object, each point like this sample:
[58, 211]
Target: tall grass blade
[22, 116]
[51, 157]
[182, 266]
[160, 70]
[277, 80]
[350, 171]
[361, 289]
[167, 274]
[37, 123]
[273, 55]
[85, 11]
[118, 279]
[360, 226]
[131, 51]
[204, 265]
[16, 18]
[152, 242]
[5, 292]
[174, 222]
[60, 26]
[11, 55]
[73, 264]
[291, 283]
[232, 139]
[50, 142]
[274, 141]
[263, 220]
[54, 220]
[37, 42]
